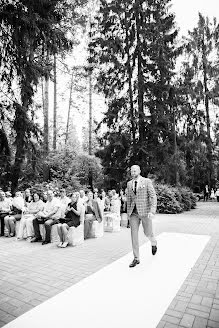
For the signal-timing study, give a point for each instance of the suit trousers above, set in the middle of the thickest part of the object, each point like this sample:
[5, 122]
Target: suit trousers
[48, 225]
[135, 220]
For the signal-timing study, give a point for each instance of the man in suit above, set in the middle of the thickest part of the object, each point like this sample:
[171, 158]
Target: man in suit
[141, 207]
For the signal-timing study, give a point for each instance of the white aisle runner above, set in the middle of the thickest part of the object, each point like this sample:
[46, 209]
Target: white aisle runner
[118, 296]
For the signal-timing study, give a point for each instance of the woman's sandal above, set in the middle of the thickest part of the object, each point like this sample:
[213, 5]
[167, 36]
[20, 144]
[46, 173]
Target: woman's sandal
[65, 244]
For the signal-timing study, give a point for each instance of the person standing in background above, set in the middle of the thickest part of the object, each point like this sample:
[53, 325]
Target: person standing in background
[206, 193]
[217, 194]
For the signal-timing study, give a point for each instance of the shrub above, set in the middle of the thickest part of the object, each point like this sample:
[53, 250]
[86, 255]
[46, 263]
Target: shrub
[166, 200]
[174, 199]
[193, 200]
[186, 199]
[177, 194]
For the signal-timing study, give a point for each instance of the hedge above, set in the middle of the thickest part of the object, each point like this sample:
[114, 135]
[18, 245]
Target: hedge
[171, 200]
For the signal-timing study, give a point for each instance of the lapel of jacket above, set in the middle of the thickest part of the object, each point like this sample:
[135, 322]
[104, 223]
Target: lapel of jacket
[131, 186]
[140, 183]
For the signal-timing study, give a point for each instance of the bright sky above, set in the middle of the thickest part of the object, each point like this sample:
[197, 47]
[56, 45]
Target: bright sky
[187, 12]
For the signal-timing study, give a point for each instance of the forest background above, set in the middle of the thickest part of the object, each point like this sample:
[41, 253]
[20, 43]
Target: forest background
[89, 88]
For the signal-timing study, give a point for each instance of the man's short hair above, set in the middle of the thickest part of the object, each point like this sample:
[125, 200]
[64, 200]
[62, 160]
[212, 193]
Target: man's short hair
[137, 166]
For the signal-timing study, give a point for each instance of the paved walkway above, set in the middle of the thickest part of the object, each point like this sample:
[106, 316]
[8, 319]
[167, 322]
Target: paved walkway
[32, 273]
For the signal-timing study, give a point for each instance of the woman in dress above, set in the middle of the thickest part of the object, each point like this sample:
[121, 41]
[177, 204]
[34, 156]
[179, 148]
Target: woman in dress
[15, 215]
[212, 196]
[92, 213]
[72, 219]
[29, 212]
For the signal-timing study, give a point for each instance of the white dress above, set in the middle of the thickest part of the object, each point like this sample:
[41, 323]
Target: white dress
[212, 194]
[26, 222]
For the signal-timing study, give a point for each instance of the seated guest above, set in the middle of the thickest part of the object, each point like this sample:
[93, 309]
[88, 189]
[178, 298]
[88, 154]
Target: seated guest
[44, 197]
[27, 197]
[72, 219]
[15, 215]
[64, 201]
[9, 197]
[123, 210]
[92, 213]
[102, 200]
[48, 217]
[114, 194]
[110, 194]
[112, 211]
[5, 208]
[123, 200]
[83, 197]
[29, 212]
[113, 206]
[107, 205]
[103, 195]
[96, 197]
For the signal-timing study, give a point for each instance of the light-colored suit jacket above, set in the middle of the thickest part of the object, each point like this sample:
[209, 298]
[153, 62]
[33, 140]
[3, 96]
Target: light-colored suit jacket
[145, 197]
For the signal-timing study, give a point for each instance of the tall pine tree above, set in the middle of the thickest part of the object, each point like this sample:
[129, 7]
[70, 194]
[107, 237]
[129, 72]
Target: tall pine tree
[201, 50]
[134, 48]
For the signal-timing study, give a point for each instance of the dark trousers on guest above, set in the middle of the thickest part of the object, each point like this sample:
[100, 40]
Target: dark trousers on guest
[205, 197]
[2, 216]
[36, 227]
[47, 223]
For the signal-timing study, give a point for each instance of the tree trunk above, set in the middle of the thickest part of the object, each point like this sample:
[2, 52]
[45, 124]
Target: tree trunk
[69, 109]
[90, 175]
[43, 95]
[206, 101]
[130, 90]
[5, 152]
[21, 122]
[176, 159]
[46, 118]
[20, 128]
[90, 112]
[173, 106]
[140, 79]
[55, 107]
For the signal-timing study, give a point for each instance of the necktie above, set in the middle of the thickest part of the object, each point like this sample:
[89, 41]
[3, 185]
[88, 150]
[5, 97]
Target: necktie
[135, 186]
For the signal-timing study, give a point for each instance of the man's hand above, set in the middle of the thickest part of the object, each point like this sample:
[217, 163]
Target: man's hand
[150, 215]
[25, 210]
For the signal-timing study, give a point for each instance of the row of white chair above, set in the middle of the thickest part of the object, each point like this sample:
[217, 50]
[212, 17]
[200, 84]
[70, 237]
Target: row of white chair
[110, 223]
